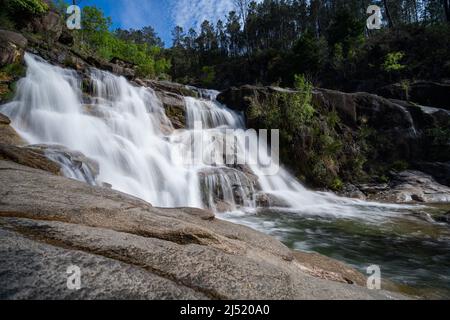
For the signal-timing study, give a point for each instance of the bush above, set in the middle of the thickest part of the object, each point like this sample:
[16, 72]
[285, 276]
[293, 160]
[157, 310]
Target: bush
[28, 7]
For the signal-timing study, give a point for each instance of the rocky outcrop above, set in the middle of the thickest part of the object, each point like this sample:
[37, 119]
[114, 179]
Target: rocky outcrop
[395, 130]
[12, 47]
[408, 187]
[168, 87]
[28, 157]
[427, 93]
[438, 170]
[125, 248]
[172, 97]
[7, 133]
[50, 24]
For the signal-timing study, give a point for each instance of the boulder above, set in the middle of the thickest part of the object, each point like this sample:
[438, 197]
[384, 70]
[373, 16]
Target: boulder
[408, 187]
[51, 24]
[28, 157]
[353, 192]
[125, 248]
[222, 188]
[72, 163]
[267, 200]
[175, 108]
[438, 170]
[8, 135]
[445, 218]
[12, 47]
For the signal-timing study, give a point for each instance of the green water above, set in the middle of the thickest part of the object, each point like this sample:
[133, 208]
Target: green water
[410, 250]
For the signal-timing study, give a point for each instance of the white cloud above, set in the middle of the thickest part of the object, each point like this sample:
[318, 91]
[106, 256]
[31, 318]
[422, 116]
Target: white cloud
[134, 13]
[191, 13]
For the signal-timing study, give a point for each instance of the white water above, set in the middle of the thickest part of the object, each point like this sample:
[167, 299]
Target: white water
[124, 128]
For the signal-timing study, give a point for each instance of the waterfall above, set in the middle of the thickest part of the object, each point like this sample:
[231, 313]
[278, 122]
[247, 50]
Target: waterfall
[121, 127]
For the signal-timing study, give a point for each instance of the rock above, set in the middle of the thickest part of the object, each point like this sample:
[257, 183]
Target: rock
[225, 187]
[326, 268]
[352, 191]
[49, 24]
[407, 187]
[444, 218]
[166, 86]
[239, 99]
[8, 135]
[267, 200]
[12, 47]
[175, 108]
[438, 170]
[57, 160]
[66, 38]
[72, 163]
[4, 120]
[387, 118]
[427, 93]
[126, 248]
[28, 157]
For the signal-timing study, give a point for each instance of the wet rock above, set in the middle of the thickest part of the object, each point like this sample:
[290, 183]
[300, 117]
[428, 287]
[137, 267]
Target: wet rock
[126, 248]
[28, 157]
[73, 164]
[444, 218]
[352, 191]
[175, 108]
[8, 135]
[224, 188]
[267, 200]
[12, 47]
[407, 187]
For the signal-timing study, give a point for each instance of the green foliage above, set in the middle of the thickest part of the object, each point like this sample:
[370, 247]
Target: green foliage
[400, 165]
[95, 38]
[392, 62]
[312, 143]
[208, 76]
[14, 70]
[29, 7]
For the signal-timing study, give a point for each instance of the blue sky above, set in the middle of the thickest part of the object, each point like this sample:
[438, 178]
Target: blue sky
[163, 15]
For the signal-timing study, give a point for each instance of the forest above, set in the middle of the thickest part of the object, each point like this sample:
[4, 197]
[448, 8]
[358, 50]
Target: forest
[272, 41]
[326, 40]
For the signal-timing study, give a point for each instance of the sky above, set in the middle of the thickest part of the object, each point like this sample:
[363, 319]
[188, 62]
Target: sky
[163, 15]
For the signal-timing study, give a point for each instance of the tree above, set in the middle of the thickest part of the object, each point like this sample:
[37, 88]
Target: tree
[177, 37]
[447, 9]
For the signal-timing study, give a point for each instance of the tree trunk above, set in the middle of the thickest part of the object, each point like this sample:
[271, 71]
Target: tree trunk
[447, 9]
[388, 14]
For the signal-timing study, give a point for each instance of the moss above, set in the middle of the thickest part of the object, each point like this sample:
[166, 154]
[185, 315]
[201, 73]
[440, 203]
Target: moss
[14, 70]
[7, 91]
[400, 165]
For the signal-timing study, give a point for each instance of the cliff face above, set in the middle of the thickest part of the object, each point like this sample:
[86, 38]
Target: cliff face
[357, 139]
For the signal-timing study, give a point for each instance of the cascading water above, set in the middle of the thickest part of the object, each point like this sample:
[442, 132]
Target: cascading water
[135, 149]
[121, 127]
